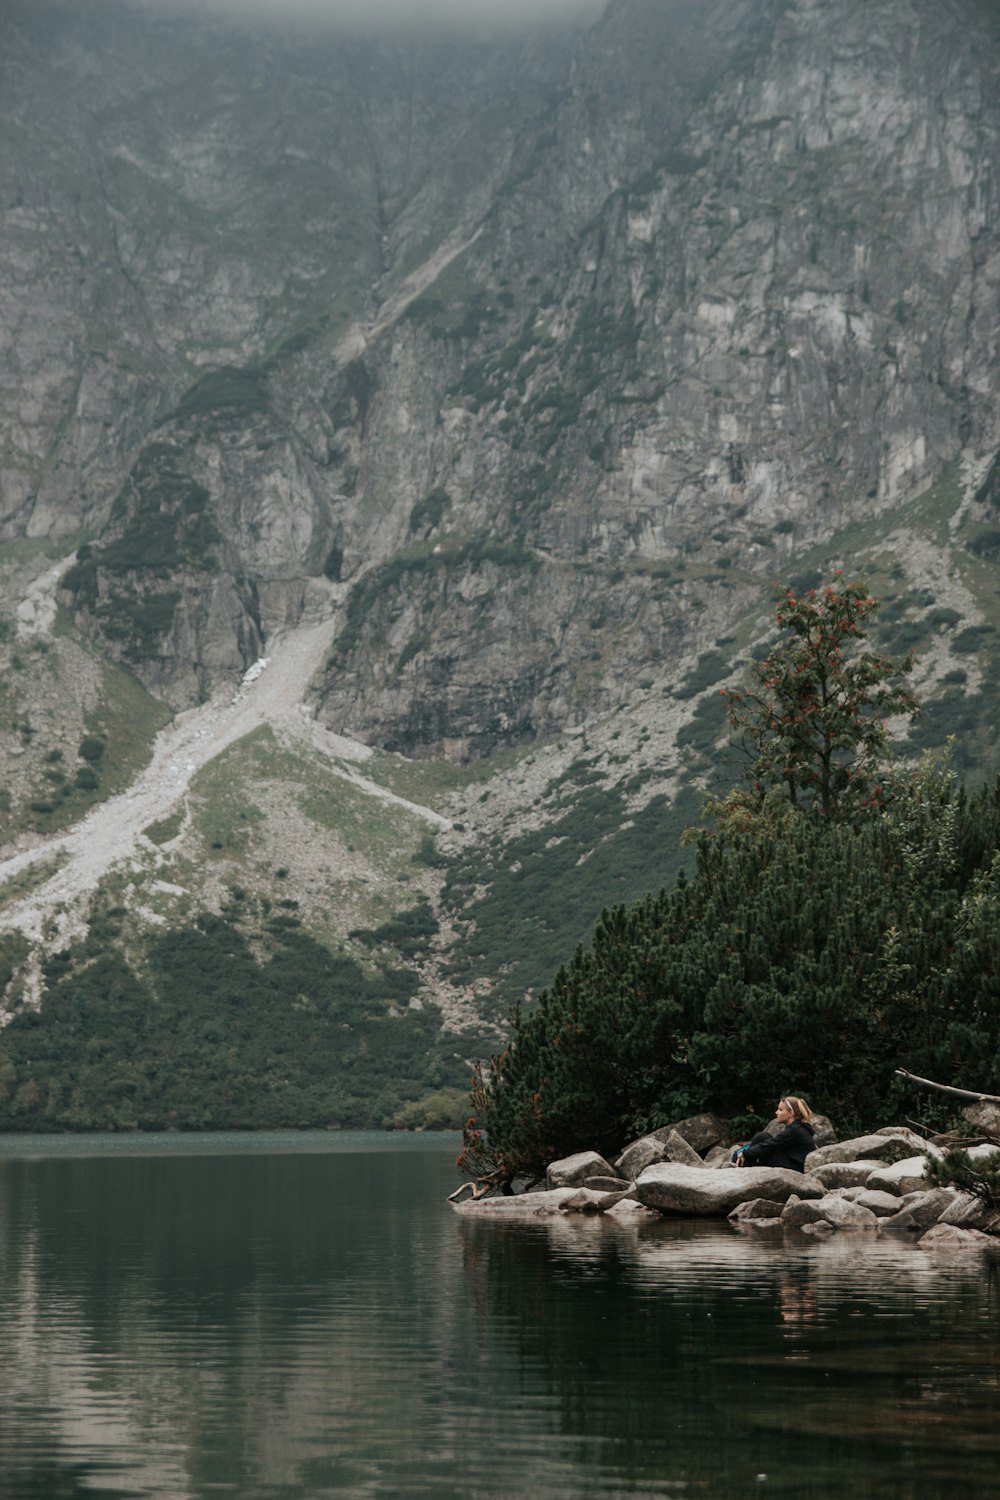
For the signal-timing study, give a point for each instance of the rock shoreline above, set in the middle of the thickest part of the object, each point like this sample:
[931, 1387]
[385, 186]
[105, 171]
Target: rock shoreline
[870, 1185]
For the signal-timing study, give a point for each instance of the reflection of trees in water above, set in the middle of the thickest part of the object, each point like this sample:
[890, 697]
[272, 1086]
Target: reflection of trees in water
[713, 1343]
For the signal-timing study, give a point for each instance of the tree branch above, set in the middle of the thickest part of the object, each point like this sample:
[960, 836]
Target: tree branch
[945, 1088]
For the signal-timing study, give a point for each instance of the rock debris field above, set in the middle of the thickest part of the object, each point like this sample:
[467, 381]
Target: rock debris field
[271, 693]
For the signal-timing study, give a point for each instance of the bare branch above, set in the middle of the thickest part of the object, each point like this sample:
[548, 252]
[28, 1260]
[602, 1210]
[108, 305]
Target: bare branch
[945, 1088]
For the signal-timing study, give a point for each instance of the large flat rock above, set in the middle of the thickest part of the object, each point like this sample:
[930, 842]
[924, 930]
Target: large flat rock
[520, 1205]
[713, 1192]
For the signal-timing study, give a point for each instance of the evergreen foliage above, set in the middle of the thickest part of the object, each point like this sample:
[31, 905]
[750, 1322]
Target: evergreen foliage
[842, 921]
[815, 956]
[204, 1035]
[981, 1177]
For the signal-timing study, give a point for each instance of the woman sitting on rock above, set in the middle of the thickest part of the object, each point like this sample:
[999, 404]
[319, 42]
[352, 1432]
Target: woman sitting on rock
[788, 1147]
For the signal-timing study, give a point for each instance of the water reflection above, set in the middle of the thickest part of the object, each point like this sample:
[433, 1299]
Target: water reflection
[291, 1326]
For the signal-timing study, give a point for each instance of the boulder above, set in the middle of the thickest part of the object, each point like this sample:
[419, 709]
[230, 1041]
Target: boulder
[583, 1201]
[900, 1177]
[719, 1156]
[879, 1146]
[926, 1208]
[713, 1192]
[631, 1209]
[881, 1204]
[823, 1132]
[660, 1146]
[985, 1153]
[948, 1238]
[572, 1171]
[608, 1200]
[515, 1205]
[984, 1117]
[901, 1219]
[820, 1229]
[838, 1212]
[756, 1208]
[701, 1132]
[966, 1211]
[844, 1174]
[611, 1184]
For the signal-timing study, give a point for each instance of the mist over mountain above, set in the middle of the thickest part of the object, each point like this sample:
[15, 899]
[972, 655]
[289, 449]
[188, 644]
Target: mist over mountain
[521, 362]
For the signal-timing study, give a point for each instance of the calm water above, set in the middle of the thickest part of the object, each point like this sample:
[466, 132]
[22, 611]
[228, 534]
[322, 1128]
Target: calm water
[275, 1317]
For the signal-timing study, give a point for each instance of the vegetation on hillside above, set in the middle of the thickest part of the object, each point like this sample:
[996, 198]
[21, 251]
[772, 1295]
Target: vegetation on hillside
[810, 950]
[204, 1034]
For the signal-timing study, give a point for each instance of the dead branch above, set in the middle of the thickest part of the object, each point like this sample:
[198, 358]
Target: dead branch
[946, 1088]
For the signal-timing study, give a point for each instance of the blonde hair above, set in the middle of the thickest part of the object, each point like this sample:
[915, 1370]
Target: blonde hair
[798, 1107]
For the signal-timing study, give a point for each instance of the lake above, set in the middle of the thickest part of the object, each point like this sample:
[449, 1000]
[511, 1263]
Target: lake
[273, 1317]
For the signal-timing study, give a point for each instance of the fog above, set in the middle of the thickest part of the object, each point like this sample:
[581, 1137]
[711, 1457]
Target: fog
[477, 15]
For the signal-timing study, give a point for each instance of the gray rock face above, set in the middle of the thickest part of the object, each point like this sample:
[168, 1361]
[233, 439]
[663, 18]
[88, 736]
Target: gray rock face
[572, 1171]
[448, 465]
[662, 1145]
[714, 1193]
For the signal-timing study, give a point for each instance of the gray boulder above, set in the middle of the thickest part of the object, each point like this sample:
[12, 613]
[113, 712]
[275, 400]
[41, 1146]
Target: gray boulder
[985, 1117]
[719, 1156]
[660, 1146]
[949, 1238]
[966, 1211]
[878, 1146]
[756, 1208]
[712, 1192]
[844, 1174]
[572, 1171]
[926, 1208]
[701, 1132]
[611, 1184]
[900, 1177]
[901, 1219]
[986, 1153]
[823, 1132]
[515, 1206]
[631, 1210]
[583, 1201]
[838, 1212]
[881, 1204]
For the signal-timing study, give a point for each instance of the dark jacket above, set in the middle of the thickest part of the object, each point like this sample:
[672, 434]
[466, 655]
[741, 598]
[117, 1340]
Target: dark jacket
[789, 1148]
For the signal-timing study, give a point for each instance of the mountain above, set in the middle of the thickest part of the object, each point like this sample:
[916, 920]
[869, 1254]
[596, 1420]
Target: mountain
[418, 420]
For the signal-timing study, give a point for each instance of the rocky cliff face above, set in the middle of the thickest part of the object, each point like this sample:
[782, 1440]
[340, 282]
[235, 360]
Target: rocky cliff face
[544, 353]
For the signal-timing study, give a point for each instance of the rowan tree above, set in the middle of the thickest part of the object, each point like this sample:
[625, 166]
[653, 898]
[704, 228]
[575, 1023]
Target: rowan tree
[813, 715]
